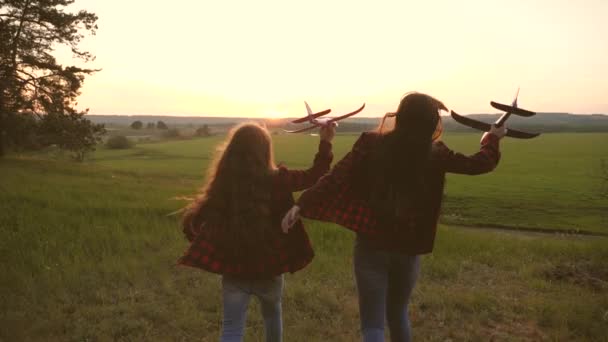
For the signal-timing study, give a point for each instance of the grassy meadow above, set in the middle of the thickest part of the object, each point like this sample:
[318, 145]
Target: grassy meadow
[88, 252]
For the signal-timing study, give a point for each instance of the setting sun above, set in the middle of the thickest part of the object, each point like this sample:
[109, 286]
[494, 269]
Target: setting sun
[273, 114]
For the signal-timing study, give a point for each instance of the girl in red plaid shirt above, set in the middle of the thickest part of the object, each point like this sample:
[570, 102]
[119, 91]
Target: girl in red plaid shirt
[388, 190]
[234, 227]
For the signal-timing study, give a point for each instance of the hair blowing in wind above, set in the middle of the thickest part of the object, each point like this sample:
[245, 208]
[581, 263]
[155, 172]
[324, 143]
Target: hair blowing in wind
[235, 202]
[397, 169]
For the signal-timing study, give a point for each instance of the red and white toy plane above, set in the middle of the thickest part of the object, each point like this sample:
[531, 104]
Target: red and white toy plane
[317, 121]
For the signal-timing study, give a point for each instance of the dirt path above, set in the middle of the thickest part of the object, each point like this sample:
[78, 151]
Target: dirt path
[535, 232]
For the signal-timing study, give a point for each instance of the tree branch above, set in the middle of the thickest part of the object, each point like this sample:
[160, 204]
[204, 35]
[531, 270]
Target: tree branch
[36, 78]
[18, 34]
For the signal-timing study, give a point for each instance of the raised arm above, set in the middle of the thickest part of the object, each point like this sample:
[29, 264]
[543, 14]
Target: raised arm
[341, 172]
[481, 162]
[297, 180]
[328, 186]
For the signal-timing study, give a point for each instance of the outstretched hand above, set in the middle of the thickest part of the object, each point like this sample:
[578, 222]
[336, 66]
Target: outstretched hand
[327, 132]
[290, 218]
[499, 131]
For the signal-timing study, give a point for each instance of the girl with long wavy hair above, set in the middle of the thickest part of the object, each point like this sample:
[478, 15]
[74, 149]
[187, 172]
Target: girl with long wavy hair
[234, 227]
[389, 190]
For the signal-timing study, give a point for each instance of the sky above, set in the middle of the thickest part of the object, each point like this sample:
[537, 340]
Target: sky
[264, 58]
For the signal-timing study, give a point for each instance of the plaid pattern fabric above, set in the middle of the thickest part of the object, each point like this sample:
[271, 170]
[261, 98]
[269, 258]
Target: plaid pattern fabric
[291, 251]
[334, 198]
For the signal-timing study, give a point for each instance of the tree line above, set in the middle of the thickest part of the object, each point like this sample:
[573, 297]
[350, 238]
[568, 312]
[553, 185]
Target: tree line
[203, 131]
[150, 125]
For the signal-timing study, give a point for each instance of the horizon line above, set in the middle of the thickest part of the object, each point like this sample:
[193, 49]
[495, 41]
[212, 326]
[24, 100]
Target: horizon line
[290, 117]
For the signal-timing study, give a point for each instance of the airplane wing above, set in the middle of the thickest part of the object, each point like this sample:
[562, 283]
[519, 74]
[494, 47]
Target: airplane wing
[485, 127]
[312, 116]
[482, 126]
[347, 115]
[301, 129]
[511, 109]
[520, 135]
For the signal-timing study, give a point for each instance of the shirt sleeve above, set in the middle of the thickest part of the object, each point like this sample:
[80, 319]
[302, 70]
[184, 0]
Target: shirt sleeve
[330, 183]
[191, 223]
[483, 161]
[297, 180]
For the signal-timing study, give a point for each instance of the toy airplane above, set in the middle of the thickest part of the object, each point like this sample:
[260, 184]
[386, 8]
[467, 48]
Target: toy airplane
[316, 121]
[512, 109]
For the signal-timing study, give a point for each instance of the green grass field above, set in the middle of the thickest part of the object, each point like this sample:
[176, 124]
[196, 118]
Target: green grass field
[88, 252]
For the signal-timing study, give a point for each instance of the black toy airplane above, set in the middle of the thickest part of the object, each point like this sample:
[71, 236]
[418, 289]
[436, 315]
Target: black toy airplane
[314, 119]
[512, 109]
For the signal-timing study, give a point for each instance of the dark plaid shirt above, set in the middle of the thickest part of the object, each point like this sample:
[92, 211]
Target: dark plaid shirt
[335, 199]
[291, 251]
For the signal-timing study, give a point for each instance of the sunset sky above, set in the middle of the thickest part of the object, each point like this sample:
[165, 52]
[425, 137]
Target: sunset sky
[264, 58]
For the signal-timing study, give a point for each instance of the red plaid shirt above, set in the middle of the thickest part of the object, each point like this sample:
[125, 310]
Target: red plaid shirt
[335, 199]
[291, 252]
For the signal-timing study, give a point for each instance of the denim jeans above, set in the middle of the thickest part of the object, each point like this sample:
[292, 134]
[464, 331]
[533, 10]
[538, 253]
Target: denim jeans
[385, 282]
[236, 294]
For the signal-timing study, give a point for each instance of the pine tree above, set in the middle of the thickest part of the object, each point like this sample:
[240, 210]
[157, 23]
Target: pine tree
[31, 79]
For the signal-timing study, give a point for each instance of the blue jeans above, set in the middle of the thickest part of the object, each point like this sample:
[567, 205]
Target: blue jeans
[385, 282]
[236, 294]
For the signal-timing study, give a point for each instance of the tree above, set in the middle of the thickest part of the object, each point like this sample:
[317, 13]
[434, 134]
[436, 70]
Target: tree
[71, 132]
[137, 124]
[118, 142]
[150, 125]
[31, 79]
[203, 131]
[161, 125]
[171, 133]
[23, 133]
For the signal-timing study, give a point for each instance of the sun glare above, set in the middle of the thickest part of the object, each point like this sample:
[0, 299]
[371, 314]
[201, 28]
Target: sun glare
[273, 114]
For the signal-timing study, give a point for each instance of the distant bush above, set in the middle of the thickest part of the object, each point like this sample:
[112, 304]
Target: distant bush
[203, 131]
[161, 125]
[171, 133]
[151, 125]
[118, 142]
[137, 124]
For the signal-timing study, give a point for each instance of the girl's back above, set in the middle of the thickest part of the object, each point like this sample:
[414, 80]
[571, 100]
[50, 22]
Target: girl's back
[235, 226]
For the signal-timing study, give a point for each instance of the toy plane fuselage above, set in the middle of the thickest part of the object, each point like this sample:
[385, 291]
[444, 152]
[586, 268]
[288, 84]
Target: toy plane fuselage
[323, 121]
[316, 120]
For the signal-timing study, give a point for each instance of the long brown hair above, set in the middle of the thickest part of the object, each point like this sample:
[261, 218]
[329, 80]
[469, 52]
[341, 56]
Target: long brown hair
[395, 174]
[234, 206]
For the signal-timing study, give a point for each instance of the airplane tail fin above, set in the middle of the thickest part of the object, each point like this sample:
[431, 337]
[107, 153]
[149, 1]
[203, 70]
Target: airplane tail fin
[514, 104]
[309, 112]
